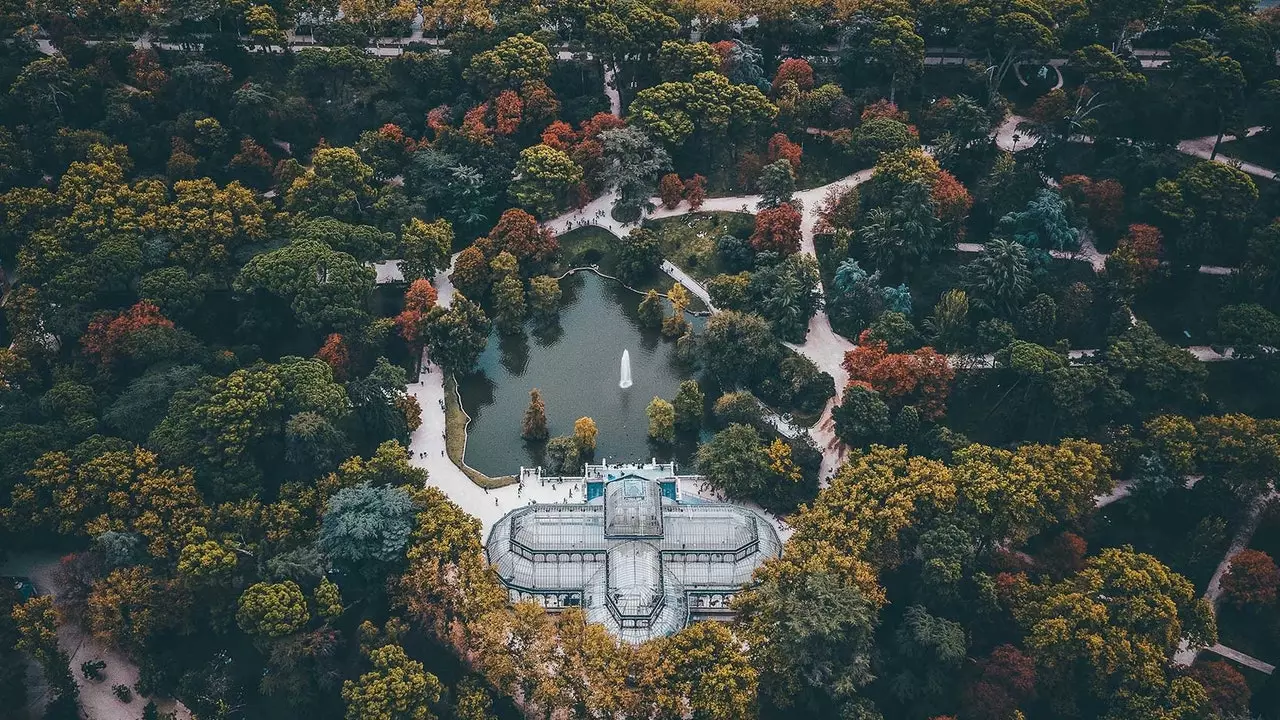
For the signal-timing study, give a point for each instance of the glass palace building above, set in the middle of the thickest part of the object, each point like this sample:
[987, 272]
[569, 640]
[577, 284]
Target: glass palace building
[639, 557]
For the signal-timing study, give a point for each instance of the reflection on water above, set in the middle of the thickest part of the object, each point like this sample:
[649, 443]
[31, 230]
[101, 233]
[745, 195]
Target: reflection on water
[574, 363]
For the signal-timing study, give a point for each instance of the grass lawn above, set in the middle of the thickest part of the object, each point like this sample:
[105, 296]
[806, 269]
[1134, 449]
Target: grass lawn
[455, 439]
[689, 241]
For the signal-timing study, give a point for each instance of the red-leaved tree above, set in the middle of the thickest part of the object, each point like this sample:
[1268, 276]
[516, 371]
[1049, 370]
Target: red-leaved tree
[1227, 688]
[781, 148]
[418, 301]
[110, 337]
[695, 191]
[777, 229]
[797, 70]
[921, 378]
[1006, 679]
[951, 203]
[519, 233]
[1101, 200]
[1251, 580]
[508, 110]
[336, 354]
[671, 190]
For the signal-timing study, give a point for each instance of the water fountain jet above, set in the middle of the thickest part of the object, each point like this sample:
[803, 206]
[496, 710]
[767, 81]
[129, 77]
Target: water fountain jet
[624, 381]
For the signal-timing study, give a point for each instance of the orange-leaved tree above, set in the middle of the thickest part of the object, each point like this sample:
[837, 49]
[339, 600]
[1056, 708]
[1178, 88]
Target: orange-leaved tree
[921, 378]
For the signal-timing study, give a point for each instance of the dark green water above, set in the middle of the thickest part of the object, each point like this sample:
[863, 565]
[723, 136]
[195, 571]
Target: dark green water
[575, 365]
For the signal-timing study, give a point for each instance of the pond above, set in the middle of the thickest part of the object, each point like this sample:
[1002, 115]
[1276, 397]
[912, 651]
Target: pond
[575, 365]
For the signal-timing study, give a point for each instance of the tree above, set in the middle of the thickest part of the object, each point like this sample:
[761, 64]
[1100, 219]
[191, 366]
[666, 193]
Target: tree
[544, 297]
[520, 234]
[1007, 679]
[323, 288]
[337, 184]
[1228, 689]
[1153, 375]
[777, 230]
[896, 47]
[639, 254]
[999, 277]
[738, 349]
[777, 184]
[508, 304]
[921, 378]
[861, 417]
[701, 669]
[1115, 624]
[563, 455]
[695, 191]
[544, 176]
[427, 247]
[1042, 225]
[879, 136]
[419, 299]
[1136, 259]
[396, 689]
[517, 60]
[1251, 580]
[365, 529]
[688, 407]
[1209, 81]
[534, 425]
[651, 310]
[1251, 330]
[631, 164]
[812, 637]
[949, 322]
[796, 70]
[455, 337]
[1208, 201]
[662, 420]
[709, 106]
[734, 461]
[676, 325]
[584, 434]
[680, 61]
[272, 609]
[671, 190]
[35, 622]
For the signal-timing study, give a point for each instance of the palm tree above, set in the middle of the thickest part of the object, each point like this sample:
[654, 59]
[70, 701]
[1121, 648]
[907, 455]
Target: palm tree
[1000, 277]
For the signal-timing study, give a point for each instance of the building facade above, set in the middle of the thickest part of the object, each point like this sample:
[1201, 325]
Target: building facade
[638, 556]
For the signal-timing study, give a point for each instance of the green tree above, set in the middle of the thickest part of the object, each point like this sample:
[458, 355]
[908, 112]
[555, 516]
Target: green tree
[1000, 277]
[680, 61]
[777, 183]
[324, 289]
[662, 420]
[688, 407]
[563, 455]
[337, 184]
[397, 688]
[812, 639]
[949, 322]
[508, 304]
[272, 609]
[1208, 81]
[639, 255]
[365, 529]
[735, 462]
[1250, 329]
[544, 177]
[427, 247]
[738, 349]
[861, 418]
[1207, 203]
[632, 164]
[544, 297]
[456, 336]
[651, 310]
